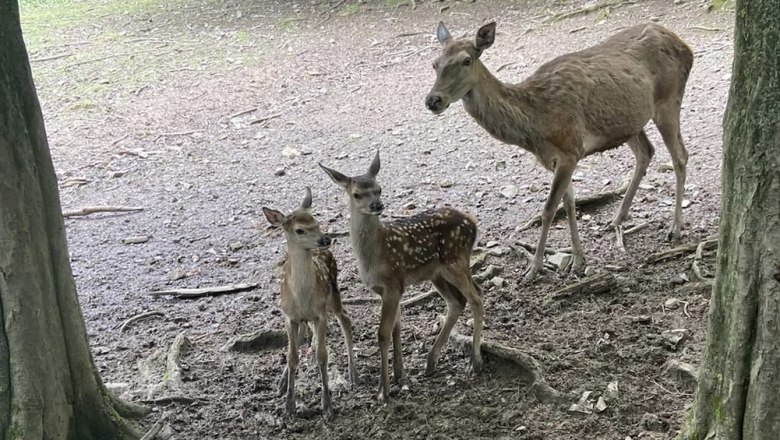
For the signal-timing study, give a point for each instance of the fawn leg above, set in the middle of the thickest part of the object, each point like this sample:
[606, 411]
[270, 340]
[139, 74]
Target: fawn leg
[455, 303]
[390, 305]
[292, 364]
[322, 361]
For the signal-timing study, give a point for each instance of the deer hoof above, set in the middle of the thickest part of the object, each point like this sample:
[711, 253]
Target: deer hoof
[289, 407]
[327, 413]
[353, 377]
[477, 366]
[430, 368]
[530, 274]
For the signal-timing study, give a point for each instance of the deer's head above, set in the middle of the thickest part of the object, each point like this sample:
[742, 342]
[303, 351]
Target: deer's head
[457, 66]
[300, 227]
[363, 191]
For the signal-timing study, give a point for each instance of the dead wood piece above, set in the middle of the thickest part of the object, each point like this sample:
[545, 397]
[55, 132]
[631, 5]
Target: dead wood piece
[82, 212]
[711, 242]
[636, 228]
[205, 291]
[599, 283]
[141, 316]
[258, 341]
[530, 366]
[173, 371]
[156, 428]
[169, 400]
[585, 10]
[264, 119]
[589, 201]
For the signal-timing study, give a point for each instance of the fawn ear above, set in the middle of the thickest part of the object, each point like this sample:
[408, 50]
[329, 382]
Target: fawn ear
[340, 179]
[442, 34]
[306, 204]
[274, 217]
[373, 169]
[485, 36]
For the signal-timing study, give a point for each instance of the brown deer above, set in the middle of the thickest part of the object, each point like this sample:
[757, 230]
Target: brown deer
[434, 246]
[575, 105]
[309, 292]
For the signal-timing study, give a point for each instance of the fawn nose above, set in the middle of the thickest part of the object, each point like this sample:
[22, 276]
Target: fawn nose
[433, 102]
[376, 206]
[324, 241]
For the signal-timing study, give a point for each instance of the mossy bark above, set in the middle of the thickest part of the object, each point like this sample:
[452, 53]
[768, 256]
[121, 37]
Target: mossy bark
[739, 378]
[49, 386]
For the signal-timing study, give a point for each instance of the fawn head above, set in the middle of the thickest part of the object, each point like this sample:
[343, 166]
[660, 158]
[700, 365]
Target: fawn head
[300, 227]
[363, 191]
[456, 67]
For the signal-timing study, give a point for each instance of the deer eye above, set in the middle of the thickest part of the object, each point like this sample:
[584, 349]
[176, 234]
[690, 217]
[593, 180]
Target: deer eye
[357, 196]
[379, 192]
[299, 231]
[434, 66]
[467, 61]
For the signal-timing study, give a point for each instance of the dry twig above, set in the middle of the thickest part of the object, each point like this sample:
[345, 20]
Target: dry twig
[96, 209]
[156, 428]
[599, 283]
[205, 291]
[711, 242]
[264, 119]
[141, 316]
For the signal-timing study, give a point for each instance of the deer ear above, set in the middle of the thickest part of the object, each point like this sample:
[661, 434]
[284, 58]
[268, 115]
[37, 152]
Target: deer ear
[306, 204]
[485, 36]
[442, 33]
[274, 217]
[373, 169]
[340, 179]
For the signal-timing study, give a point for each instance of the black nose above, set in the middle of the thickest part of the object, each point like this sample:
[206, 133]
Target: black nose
[376, 205]
[324, 241]
[433, 102]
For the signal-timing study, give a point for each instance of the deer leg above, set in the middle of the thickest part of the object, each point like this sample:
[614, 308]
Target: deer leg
[346, 328]
[321, 327]
[455, 303]
[576, 245]
[561, 180]
[390, 305]
[398, 362]
[667, 119]
[643, 152]
[287, 381]
[462, 279]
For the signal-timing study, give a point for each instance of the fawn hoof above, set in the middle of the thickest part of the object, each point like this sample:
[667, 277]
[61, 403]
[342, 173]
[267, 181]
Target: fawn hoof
[431, 365]
[477, 366]
[353, 377]
[578, 266]
[327, 413]
[673, 235]
[530, 274]
[289, 408]
[382, 396]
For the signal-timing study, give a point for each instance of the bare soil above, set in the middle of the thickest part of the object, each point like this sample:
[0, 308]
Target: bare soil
[138, 111]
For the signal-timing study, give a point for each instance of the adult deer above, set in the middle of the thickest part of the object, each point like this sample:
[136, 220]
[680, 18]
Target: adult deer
[434, 245]
[309, 292]
[575, 105]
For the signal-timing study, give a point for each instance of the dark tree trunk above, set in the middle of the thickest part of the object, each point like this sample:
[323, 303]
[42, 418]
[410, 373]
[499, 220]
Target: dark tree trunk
[738, 396]
[49, 387]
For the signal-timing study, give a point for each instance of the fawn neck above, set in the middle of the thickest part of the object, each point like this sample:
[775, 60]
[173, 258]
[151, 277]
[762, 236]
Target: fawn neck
[366, 235]
[302, 270]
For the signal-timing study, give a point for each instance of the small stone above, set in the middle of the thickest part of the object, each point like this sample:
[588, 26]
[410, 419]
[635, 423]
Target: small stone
[410, 205]
[489, 272]
[177, 274]
[446, 183]
[586, 217]
[583, 406]
[477, 260]
[498, 251]
[279, 172]
[342, 155]
[601, 405]
[646, 187]
[509, 191]
[682, 372]
[672, 303]
[642, 319]
[589, 271]
[116, 174]
[612, 391]
[559, 259]
[673, 338]
[678, 280]
[290, 152]
[136, 239]
[498, 282]
[665, 167]
[491, 244]
[500, 165]
[236, 246]
[686, 203]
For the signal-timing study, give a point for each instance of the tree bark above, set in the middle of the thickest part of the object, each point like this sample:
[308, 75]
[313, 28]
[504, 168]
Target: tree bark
[739, 378]
[49, 386]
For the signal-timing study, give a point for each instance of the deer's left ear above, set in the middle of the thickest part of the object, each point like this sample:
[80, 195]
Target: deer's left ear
[486, 35]
[442, 34]
[373, 169]
[306, 204]
[274, 217]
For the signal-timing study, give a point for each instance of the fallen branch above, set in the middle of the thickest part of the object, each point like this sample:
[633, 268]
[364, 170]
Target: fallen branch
[156, 428]
[619, 239]
[264, 119]
[698, 257]
[422, 297]
[176, 133]
[242, 113]
[712, 242]
[530, 366]
[584, 10]
[205, 291]
[133, 319]
[173, 372]
[164, 401]
[589, 200]
[709, 29]
[532, 249]
[82, 212]
[599, 283]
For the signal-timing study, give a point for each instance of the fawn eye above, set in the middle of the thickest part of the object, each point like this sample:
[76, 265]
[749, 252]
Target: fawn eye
[379, 192]
[467, 61]
[357, 196]
[434, 66]
[299, 231]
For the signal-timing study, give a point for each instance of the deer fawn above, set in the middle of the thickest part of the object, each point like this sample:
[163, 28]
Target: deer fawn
[309, 292]
[434, 245]
[576, 105]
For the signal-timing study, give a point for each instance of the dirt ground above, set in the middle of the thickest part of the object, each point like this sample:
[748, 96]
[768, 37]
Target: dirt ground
[139, 99]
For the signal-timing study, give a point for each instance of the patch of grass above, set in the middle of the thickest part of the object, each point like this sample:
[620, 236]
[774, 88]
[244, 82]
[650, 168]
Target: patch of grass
[84, 104]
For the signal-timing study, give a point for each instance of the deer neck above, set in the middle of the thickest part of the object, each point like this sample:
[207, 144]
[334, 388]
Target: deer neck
[366, 235]
[302, 268]
[501, 109]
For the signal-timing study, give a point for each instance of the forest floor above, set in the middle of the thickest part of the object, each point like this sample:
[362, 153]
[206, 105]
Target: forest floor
[203, 111]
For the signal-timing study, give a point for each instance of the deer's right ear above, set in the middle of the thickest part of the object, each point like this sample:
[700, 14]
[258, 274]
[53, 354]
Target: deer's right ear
[486, 35]
[274, 217]
[443, 34]
[340, 179]
[306, 204]
[373, 169]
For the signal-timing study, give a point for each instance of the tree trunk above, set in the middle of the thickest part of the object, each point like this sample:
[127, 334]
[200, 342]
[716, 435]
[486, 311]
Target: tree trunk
[49, 386]
[739, 378]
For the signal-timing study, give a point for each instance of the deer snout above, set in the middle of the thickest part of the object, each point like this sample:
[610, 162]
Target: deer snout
[376, 207]
[434, 102]
[324, 241]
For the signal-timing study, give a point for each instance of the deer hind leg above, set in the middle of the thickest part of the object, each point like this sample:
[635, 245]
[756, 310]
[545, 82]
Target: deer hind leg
[455, 304]
[643, 152]
[578, 264]
[667, 119]
[461, 278]
[287, 379]
[321, 329]
[387, 324]
[398, 361]
[561, 181]
[334, 305]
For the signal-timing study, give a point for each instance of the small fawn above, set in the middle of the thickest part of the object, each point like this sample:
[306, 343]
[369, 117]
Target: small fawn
[309, 292]
[432, 246]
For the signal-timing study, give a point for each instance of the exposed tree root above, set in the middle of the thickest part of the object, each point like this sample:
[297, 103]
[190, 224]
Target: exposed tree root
[710, 242]
[128, 410]
[599, 283]
[206, 291]
[529, 366]
[169, 400]
[132, 320]
[697, 260]
[82, 212]
[590, 200]
[156, 428]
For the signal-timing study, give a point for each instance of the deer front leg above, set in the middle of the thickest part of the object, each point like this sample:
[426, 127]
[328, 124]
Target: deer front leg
[287, 381]
[578, 265]
[321, 327]
[390, 305]
[561, 181]
[455, 303]
[398, 362]
[346, 329]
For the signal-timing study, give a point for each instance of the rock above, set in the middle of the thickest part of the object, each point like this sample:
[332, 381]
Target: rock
[446, 184]
[290, 152]
[652, 422]
[642, 319]
[679, 279]
[342, 155]
[136, 239]
[686, 203]
[601, 405]
[498, 282]
[612, 391]
[672, 303]
[559, 259]
[589, 271]
[498, 251]
[583, 406]
[477, 260]
[279, 172]
[489, 272]
[673, 338]
[491, 244]
[500, 165]
[682, 372]
[665, 167]
[410, 205]
[509, 191]
[236, 246]
[177, 274]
